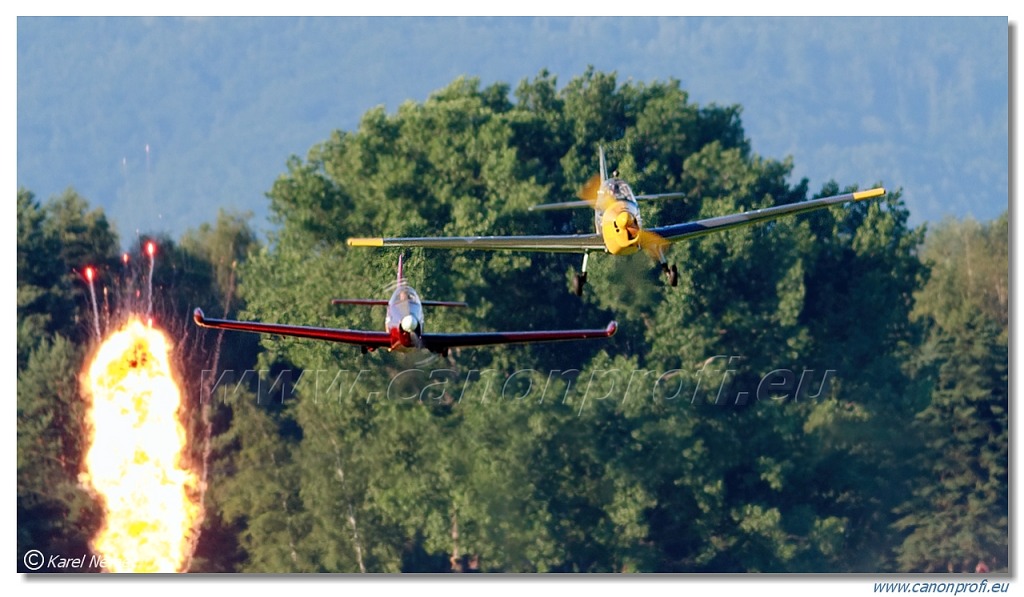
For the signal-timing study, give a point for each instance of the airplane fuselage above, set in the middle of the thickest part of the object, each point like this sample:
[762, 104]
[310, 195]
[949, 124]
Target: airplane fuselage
[404, 319]
[617, 217]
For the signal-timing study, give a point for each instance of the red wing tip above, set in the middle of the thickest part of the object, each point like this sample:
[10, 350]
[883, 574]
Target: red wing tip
[612, 328]
[198, 316]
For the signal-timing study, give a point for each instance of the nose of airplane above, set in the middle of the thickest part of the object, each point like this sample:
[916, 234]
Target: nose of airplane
[623, 219]
[627, 223]
[408, 324]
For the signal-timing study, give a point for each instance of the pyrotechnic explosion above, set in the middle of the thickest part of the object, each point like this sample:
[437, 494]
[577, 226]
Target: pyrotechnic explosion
[134, 462]
[135, 458]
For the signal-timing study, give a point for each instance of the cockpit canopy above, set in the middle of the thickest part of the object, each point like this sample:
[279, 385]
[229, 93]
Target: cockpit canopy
[619, 189]
[405, 294]
[404, 303]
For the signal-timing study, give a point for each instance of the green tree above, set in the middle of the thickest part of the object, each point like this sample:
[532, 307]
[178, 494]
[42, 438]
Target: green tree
[56, 515]
[56, 241]
[969, 273]
[256, 487]
[958, 513]
[205, 267]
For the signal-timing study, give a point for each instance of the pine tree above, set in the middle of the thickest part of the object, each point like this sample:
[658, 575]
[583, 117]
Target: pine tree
[959, 514]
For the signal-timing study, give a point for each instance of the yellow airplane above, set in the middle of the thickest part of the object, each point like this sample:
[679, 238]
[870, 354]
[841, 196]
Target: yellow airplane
[618, 228]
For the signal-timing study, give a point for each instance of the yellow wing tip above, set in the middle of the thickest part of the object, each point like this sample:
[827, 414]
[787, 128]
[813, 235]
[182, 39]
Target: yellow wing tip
[366, 242]
[869, 194]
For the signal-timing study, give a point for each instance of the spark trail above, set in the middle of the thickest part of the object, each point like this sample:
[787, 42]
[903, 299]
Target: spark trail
[89, 274]
[150, 250]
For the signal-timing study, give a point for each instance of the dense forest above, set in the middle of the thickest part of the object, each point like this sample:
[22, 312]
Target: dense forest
[822, 393]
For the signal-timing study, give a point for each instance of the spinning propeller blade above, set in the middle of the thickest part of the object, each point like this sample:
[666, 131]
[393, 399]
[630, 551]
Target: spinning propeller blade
[654, 245]
[589, 194]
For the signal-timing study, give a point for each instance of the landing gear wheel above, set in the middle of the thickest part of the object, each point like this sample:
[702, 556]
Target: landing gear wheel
[673, 276]
[578, 281]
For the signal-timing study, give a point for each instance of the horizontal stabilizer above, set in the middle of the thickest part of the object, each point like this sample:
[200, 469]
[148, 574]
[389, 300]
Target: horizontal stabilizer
[561, 205]
[377, 302]
[591, 202]
[358, 302]
[660, 196]
[444, 304]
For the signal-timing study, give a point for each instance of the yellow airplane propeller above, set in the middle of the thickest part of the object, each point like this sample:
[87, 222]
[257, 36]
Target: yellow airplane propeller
[591, 193]
[654, 245]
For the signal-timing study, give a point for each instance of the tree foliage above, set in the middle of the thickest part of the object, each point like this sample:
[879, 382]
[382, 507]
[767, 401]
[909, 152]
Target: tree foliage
[55, 241]
[959, 512]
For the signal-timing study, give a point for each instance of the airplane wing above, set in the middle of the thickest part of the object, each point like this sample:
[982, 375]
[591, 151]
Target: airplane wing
[568, 243]
[442, 342]
[361, 338]
[677, 232]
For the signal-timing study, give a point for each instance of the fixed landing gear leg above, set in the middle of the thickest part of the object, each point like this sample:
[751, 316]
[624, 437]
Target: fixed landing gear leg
[580, 279]
[671, 271]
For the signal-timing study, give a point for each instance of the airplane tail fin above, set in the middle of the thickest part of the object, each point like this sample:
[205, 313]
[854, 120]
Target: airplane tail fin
[401, 275]
[604, 169]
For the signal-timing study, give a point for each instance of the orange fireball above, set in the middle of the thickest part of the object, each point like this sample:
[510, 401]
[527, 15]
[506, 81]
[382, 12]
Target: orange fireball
[134, 461]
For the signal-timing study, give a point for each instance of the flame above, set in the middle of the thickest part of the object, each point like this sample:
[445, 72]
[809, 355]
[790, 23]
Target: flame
[134, 458]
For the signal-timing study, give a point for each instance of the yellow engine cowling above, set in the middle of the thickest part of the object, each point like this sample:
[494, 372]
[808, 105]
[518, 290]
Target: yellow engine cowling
[620, 230]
